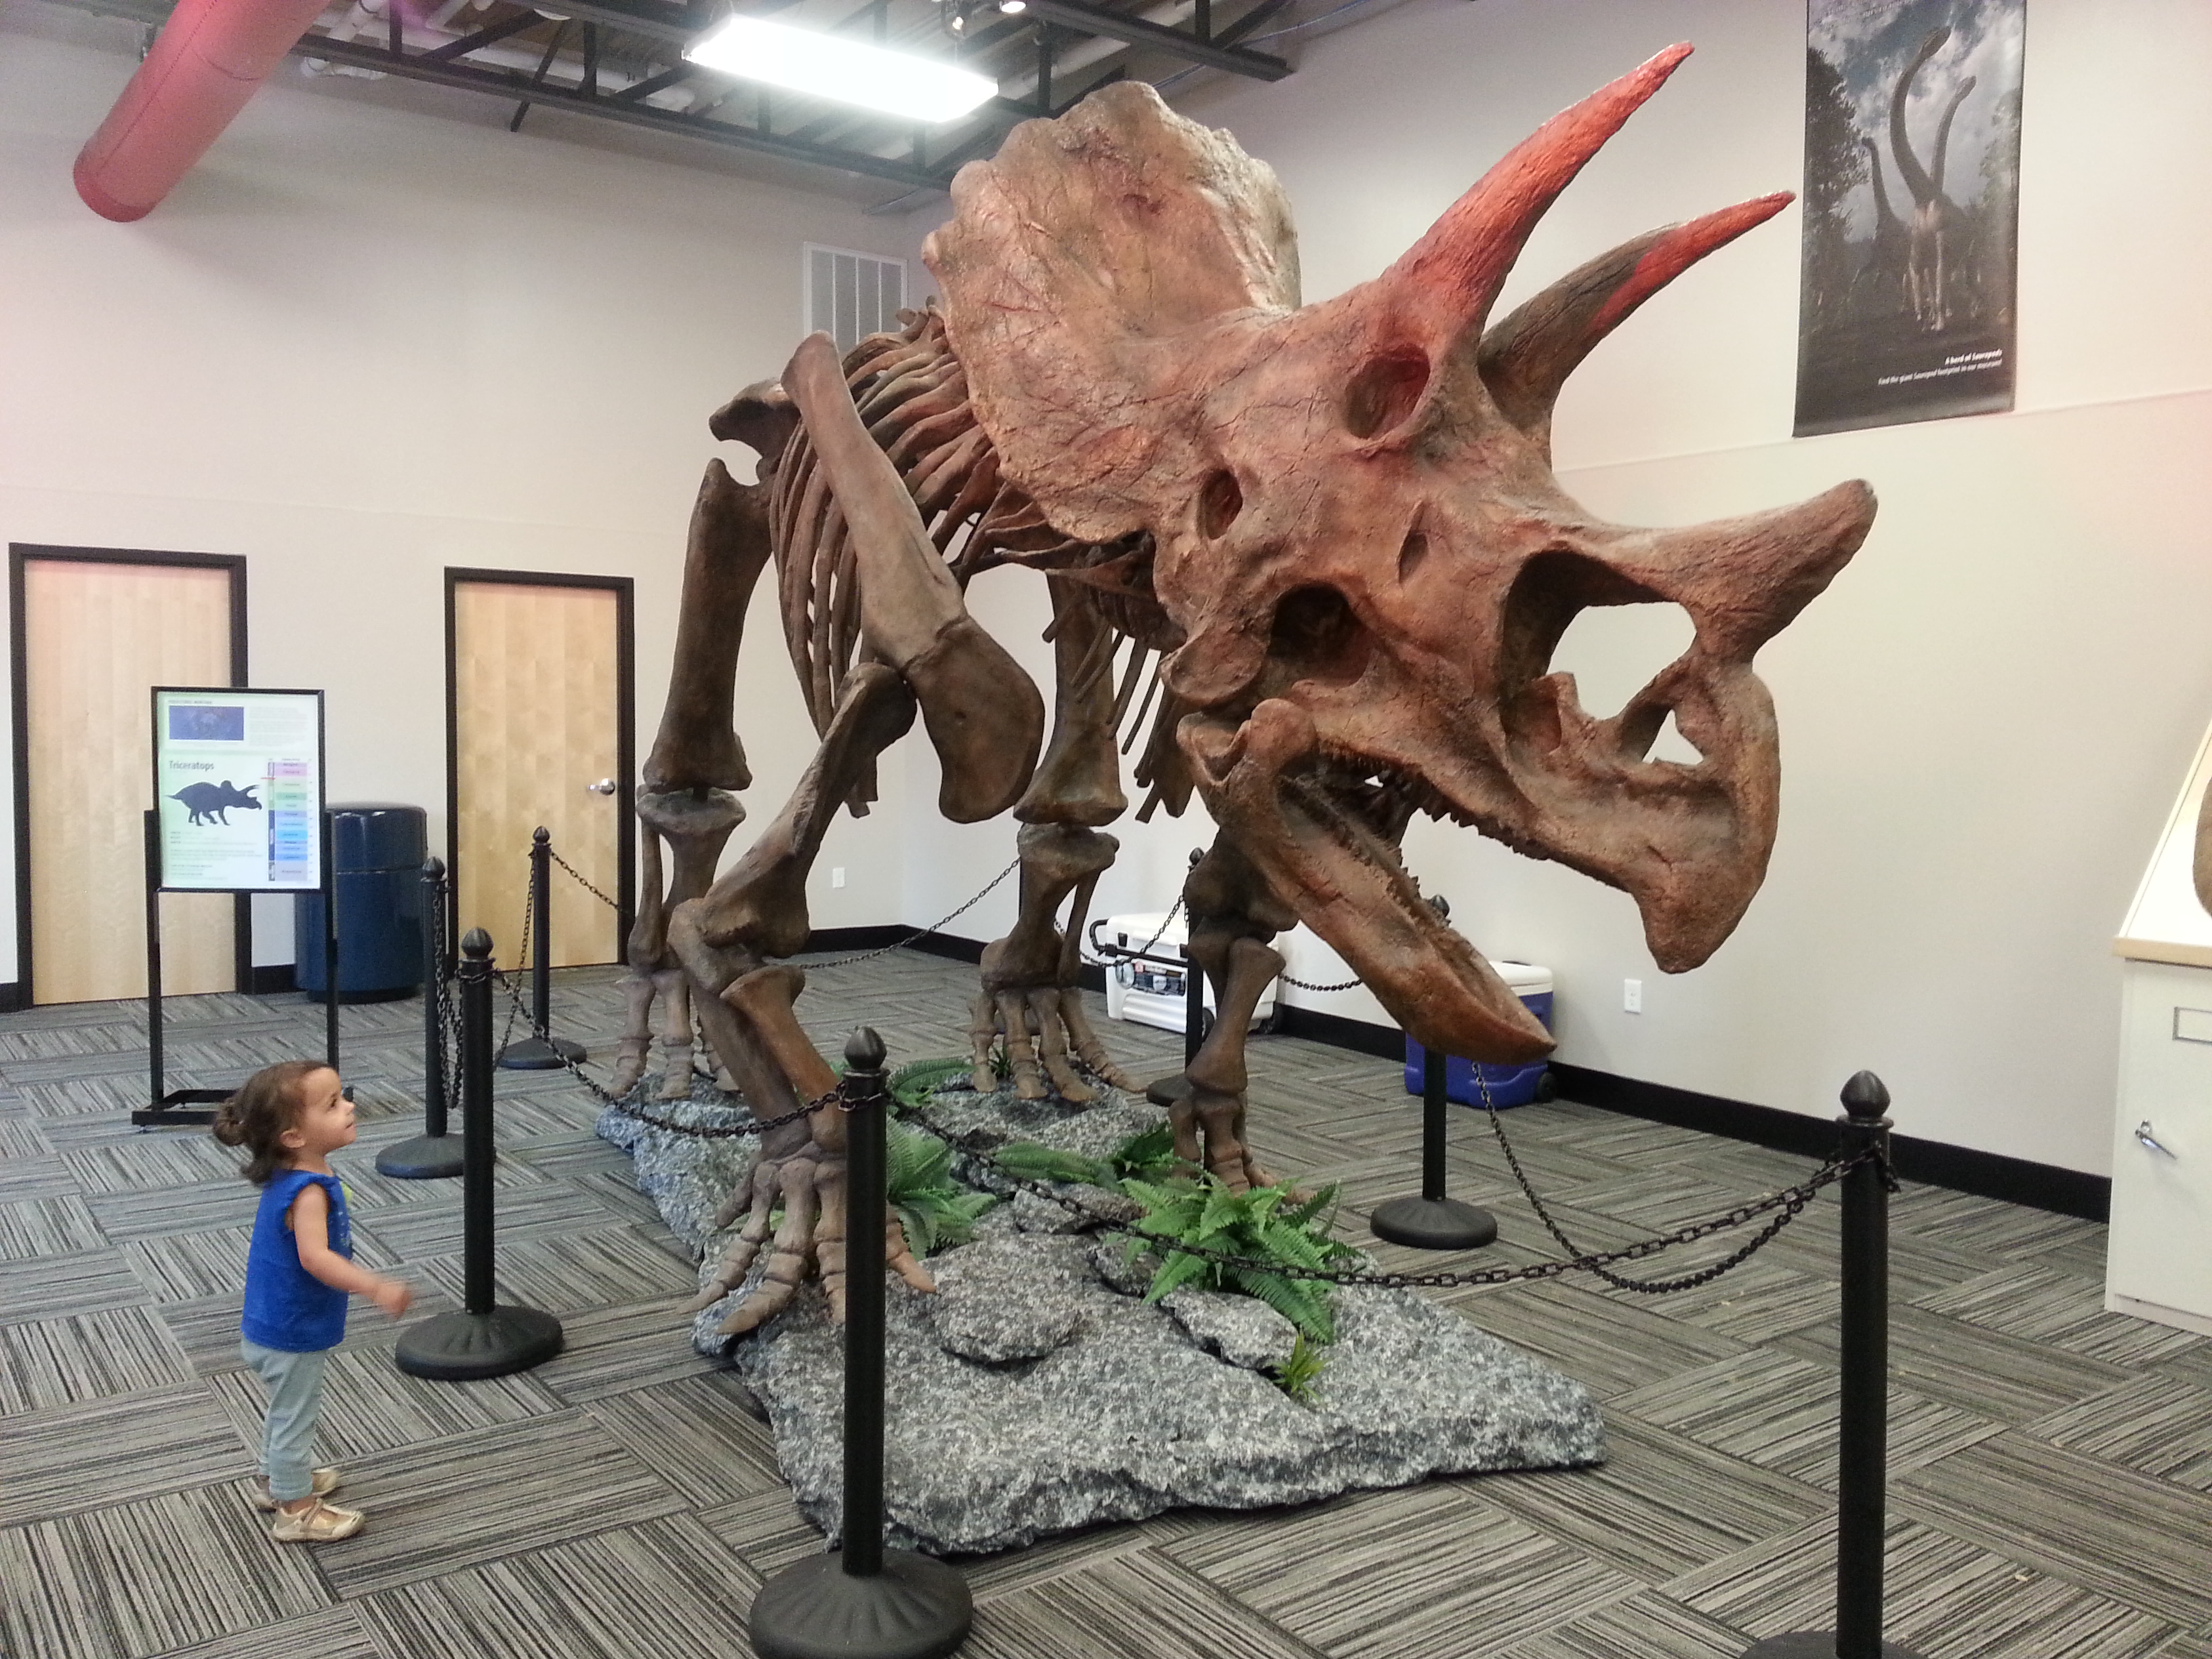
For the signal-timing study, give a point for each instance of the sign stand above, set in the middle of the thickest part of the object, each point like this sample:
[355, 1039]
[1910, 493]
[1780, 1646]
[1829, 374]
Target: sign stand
[276, 738]
[182, 1107]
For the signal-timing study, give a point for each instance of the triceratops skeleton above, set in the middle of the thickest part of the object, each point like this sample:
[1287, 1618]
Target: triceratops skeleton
[1337, 527]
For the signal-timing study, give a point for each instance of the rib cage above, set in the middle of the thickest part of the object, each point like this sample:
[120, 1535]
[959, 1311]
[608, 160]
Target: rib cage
[912, 394]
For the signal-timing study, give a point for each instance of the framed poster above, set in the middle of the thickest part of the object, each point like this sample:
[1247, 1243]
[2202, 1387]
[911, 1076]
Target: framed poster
[1912, 111]
[237, 782]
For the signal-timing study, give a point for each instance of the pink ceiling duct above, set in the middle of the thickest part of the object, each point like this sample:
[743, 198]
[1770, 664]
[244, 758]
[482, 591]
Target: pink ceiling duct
[209, 59]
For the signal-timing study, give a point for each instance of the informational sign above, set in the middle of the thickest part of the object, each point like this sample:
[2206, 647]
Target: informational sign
[1912, 111]
[238, 780]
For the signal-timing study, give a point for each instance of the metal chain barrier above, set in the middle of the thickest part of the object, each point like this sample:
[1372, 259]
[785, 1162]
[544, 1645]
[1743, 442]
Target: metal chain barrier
[1122, 952]
[834, 962]
[1791, 1203]
[1786, 1205]
[1351, 984]
[553, 852]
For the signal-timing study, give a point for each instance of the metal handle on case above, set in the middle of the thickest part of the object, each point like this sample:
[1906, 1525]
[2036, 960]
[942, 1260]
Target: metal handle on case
[2144, 1135]
[604, 787]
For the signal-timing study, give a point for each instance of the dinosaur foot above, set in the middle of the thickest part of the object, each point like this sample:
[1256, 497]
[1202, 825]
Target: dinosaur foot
[808, 1187]
[1209, 1134]
[1046, 1035]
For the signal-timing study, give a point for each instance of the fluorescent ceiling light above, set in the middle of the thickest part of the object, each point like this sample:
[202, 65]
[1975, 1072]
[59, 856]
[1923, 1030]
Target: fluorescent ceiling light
[847, 71]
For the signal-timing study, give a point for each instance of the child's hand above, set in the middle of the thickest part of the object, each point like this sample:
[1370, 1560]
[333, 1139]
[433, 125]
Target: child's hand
[394, 1295]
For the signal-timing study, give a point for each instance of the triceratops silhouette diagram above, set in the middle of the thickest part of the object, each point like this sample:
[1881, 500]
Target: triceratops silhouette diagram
[208, 802]
[1331, 535]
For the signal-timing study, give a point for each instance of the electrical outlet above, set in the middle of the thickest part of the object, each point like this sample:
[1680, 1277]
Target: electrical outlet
[836, 875]
[1632, 996]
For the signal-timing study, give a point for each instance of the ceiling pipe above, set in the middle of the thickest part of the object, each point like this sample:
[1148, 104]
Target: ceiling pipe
[204, 64]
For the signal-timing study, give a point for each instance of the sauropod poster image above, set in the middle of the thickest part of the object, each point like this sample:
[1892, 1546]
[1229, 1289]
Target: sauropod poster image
[238, 780]
[1912, 113]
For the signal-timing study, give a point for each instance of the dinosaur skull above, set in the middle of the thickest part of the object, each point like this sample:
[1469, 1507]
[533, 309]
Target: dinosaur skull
[1359, 537]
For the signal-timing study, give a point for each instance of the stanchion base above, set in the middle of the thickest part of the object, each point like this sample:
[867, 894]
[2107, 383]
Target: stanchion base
[1433, 1223]
[539, 1053]
[426, 1158]
[1813, 1644]
[915, 1609]
[467, 1347]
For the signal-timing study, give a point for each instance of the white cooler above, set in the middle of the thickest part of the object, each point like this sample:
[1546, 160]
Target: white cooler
[1150, 991]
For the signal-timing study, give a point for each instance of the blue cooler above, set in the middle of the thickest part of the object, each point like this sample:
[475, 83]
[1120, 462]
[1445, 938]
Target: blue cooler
[377, 850]
[1507, 1086]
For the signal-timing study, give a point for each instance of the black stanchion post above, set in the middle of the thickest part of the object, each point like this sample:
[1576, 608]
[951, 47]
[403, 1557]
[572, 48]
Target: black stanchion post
[330, 949]
[541, 1051]
[155, 1060]
[1433, 1221]
[861, 1600]
[1863, 1430]
[485, 1339]
[434, 1154]
[1167, 1090]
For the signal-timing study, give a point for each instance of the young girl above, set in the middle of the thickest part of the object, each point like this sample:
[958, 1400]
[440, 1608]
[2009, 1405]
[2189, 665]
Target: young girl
[299, 1270]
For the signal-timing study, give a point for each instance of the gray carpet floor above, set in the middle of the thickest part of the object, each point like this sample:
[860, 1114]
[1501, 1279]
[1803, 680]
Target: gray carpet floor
[2050, 1470]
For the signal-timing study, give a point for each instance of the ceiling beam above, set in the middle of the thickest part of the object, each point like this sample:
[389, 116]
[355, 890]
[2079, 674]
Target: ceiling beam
[508, 85]
[1135, 31]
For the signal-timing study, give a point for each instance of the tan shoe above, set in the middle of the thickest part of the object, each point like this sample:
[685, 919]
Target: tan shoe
[318, 1523]
[326, 1482]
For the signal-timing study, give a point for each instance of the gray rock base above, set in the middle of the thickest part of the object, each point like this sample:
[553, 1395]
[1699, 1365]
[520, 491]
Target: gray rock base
[1030, 1396]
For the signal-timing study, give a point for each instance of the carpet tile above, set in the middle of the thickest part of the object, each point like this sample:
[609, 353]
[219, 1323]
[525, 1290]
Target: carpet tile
[519, 1486]
[2051, 1464]
[81, 1456]
[666, 1587]
[177, 1571]
[87, 1357]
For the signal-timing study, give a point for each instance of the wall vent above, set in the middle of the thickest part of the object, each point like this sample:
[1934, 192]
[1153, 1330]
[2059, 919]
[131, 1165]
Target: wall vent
[851, 295]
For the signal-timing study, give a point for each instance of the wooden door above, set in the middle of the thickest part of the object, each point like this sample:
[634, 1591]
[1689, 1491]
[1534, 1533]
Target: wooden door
[539, 686]
[95, 633]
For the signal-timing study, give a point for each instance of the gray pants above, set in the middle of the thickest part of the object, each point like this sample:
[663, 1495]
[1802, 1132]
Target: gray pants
[294, 1385]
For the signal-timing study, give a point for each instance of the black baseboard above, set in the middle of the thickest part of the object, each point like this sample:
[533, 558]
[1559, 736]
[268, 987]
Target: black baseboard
[12, 1000]
[1960, 1169]
[273, 979]
[853, 938]
[1383, 1042]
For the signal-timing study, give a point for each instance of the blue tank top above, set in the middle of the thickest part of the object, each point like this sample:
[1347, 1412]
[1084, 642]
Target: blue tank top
[287, 1307]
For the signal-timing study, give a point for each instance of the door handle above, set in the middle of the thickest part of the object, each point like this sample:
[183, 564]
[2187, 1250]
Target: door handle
[2144, 1135]
[604, 787]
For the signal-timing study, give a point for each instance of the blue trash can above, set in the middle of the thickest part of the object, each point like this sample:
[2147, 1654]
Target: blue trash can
[1508, 1085]
[377, 850]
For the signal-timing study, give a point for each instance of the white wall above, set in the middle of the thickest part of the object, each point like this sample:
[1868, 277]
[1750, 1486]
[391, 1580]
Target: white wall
[359, 345]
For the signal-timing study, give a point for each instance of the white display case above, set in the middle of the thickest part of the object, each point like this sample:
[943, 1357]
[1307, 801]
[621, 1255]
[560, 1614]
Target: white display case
[1150, 990]
[2158, 1263]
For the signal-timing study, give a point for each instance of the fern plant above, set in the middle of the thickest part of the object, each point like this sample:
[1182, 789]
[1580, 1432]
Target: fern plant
[913, 1084]
[1148, 1155]
[1297, 1374]
[1266, 1223]
[935, 1210]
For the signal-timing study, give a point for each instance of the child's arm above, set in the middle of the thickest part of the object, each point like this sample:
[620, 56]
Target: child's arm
[311, 1216]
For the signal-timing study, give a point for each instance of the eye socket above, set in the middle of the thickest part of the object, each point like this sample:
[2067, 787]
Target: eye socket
[1384, 391]
[1317, 636]
[1220, 501]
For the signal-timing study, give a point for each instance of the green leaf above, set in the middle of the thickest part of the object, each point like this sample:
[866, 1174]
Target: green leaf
[1175, 1272]
[913, 1084]
[1296, 1302]
[1034, 1162]
[1147, 1153]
